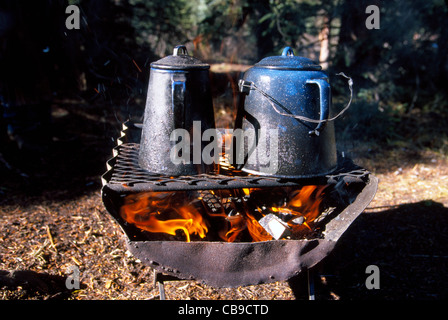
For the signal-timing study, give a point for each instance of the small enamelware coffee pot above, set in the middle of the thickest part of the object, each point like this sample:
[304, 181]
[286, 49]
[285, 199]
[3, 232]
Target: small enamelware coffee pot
[178, 101]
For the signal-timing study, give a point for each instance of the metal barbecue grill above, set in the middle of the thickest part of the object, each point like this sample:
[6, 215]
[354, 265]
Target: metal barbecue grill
[230, 264]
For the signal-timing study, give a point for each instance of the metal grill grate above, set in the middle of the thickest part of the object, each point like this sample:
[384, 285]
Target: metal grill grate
[125, 175]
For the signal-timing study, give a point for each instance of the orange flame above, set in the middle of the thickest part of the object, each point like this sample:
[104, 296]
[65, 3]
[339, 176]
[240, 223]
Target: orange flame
[237, 224]
[256, 230]
[168, 212]
[145, 211]
[306, 203]
[244, 220]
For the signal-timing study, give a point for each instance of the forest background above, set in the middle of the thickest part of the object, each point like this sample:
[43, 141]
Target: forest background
[399, 70]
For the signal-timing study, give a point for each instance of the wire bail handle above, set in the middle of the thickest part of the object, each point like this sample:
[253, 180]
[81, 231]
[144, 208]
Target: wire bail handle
[246, 86]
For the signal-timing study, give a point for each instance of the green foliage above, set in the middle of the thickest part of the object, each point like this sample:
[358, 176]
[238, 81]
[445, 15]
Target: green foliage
[403, 63]
[269, 24]
[221, 18]
[399, 68]
[163, 21]
[290, 20]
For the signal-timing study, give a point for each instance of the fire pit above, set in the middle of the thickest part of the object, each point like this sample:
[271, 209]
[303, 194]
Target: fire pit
[230, 229]
[272, 203]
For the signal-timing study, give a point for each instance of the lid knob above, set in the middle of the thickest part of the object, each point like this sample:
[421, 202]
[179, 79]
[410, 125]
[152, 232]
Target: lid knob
[288, 61]
[288, 52]
[180, 49]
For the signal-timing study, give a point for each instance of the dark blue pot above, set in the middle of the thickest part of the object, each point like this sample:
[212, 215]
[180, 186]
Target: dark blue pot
[285, 103]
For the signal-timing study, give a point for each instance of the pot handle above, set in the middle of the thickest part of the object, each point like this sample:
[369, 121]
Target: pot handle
[325, 99]
[178, 103]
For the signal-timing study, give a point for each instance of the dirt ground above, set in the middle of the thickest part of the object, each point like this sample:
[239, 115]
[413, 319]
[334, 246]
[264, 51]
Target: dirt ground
[52, 219]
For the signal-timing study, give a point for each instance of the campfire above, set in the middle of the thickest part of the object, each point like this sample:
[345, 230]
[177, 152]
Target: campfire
[248, 214]
[230, 228]
[230, 215]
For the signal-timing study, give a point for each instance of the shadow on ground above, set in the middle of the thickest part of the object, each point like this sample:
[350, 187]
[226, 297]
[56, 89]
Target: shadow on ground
[408, 243]
[34, 284]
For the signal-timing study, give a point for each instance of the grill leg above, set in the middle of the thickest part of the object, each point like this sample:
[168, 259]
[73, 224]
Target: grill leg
[310, 276]
[161, 290]
[302, 285]
[159, 279]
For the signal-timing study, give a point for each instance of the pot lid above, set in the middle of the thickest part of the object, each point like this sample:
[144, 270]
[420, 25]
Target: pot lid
[180, 60]
[288, 61]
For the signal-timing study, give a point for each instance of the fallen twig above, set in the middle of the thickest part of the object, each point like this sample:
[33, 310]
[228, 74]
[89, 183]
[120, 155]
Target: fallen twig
[50, 237]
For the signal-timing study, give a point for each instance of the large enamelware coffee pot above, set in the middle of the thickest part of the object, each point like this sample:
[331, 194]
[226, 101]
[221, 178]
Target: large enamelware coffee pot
[285, 105]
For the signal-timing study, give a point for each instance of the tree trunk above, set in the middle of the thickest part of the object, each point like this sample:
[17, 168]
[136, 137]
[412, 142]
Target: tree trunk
[324, 39]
